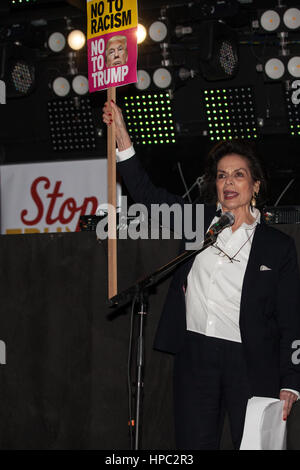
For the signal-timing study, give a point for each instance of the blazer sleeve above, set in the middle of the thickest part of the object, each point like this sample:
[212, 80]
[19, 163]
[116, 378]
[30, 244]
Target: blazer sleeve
[141, 188]
[288, 316]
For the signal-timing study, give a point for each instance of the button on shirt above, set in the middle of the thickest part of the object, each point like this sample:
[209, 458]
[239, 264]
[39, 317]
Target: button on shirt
[214, 283]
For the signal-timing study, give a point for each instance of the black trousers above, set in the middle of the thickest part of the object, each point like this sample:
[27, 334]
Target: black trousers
[209, 379]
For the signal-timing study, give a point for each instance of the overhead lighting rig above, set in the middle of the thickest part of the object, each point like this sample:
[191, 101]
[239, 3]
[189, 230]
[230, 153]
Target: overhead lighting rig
[278, 19]
[281, 21]
[213, 42]
[71, 40]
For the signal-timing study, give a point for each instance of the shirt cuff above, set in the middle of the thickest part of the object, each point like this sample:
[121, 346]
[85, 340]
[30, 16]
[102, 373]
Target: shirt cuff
[125, 154]
[291, 390]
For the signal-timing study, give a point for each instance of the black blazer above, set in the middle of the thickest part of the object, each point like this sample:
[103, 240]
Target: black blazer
[270, 300]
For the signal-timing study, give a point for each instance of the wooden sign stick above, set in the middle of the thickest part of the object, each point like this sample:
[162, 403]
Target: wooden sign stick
[112, 201]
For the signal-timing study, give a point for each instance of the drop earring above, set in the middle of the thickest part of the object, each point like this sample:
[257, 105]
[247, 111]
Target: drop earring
[253, 200]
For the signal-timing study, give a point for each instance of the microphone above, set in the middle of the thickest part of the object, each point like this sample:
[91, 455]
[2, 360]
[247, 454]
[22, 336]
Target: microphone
[226, 220]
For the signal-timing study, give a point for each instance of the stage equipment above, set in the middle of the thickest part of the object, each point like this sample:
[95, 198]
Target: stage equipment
[158, 31]
[61, 86]
[88, 223]
[162, 78]
[141, 33]
[80, 85]
[218, 52]
[17, 70]
[149, 118]
[283, 67]
[230, 113]
[269, 20]
[56, 42]
[281, 215]
[76, 39]
[71, 125]
[144, 80]
[274, 68]
[202, 10]
[293, 114]
[282, 22]
[291, 18]
[279, 19]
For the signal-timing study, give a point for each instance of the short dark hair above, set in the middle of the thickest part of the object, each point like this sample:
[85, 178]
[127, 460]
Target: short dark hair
[246, 150]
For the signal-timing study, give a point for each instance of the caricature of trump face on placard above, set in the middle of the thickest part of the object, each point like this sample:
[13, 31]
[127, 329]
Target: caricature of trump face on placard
[116, 51]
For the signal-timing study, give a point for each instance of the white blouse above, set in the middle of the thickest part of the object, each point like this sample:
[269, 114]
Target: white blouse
[214, 283]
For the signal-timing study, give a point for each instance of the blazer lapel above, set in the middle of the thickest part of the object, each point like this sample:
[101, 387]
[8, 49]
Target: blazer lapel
[252, 269]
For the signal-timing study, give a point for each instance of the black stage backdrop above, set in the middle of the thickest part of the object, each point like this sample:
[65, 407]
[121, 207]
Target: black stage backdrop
[64, 384]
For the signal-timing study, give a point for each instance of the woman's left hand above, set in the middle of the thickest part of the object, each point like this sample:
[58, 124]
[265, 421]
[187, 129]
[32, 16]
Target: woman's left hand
[289, 398]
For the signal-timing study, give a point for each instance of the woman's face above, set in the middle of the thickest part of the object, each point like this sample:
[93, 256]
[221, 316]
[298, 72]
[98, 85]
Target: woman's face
[234, 183]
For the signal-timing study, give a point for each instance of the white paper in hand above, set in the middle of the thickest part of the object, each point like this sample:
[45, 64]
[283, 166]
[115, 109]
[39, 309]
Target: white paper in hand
[264, 427]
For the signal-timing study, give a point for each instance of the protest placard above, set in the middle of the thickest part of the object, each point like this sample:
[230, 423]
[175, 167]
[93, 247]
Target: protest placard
[112, 62]
[112, 43]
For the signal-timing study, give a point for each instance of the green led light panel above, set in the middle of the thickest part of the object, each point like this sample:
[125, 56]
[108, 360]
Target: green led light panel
[293, 115]
[230, 113]
[149, 118]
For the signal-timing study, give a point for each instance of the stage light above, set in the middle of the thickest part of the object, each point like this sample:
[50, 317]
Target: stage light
[227, 58]
[141, 33]
[158, 31]
[144, 80]
[186, 74]
[218, 51]
[279, 19]
[284, 68]
[274, 69]
[230, 113]
[80, 85]
[22, 76]
[17, 69]
[270, 20]
[61, 86]
[181, 31]
[162, 78]
[76, 39]
[291, 18]
[149, 118]
[56, 42]
[71, 125]
[294, 66]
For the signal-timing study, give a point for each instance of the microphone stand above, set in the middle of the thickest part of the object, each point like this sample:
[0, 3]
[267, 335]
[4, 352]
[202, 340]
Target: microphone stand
[139, 292]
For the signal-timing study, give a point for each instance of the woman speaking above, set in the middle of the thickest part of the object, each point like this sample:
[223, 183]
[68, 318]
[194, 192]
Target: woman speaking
[232, 313]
